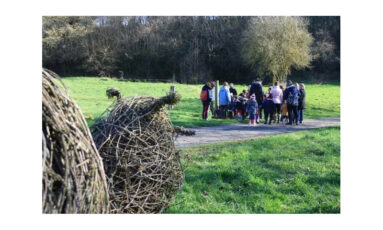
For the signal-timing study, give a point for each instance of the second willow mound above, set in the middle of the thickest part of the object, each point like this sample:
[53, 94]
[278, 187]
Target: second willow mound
[135, 138]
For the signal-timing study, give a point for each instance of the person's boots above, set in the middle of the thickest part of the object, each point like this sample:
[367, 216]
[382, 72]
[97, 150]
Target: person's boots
[278, 117]
[290, 122]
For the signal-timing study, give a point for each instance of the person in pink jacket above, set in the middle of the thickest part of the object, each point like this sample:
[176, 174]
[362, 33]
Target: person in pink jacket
[277, 95]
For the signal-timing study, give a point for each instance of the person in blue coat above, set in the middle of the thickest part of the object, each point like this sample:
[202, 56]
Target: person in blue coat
[291, 96]
[224, 99]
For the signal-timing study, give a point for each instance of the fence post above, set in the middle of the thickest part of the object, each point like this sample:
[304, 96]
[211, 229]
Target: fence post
[172, 90]
[216, 94]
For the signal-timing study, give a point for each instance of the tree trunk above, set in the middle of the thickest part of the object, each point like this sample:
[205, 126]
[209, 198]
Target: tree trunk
[281, 79]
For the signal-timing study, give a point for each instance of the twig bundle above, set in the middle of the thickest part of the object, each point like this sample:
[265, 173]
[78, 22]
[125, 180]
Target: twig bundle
[182, 131]
[73, 176]
[135, 138]
[113, 92]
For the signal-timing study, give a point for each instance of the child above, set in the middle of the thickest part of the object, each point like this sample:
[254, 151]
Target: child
[243, 94]
[268, 109]
[285, 113]
[244, 105]
[252, 109]
[238, 107]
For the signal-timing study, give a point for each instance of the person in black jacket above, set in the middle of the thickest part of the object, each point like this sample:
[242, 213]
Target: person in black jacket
[257, 89]
[243, 94]
[206, 99]
[233, 90]
[302, 102]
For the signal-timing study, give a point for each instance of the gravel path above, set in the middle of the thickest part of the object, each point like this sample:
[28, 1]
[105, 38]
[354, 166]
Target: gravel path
[214, 134]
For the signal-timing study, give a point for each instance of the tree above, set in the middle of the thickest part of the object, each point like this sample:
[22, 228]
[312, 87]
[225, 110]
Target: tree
[323, 50]
[275, 45]
[193, 49]
[64, 42]
[326, 46]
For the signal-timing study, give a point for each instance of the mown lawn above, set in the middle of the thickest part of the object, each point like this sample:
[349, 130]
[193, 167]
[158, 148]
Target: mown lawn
[89, 93]
[289, 173]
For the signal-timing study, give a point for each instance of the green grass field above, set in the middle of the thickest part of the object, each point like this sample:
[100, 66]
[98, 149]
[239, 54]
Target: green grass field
[289, 173]
[89, 93]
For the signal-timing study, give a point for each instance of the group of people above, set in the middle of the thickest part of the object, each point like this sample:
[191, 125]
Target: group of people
[277, 104]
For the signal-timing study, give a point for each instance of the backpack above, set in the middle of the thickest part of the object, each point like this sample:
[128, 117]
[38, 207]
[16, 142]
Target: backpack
[292, 99]
[203, 95]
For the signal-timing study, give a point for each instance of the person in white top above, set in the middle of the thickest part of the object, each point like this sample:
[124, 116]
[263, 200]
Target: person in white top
[277, 94]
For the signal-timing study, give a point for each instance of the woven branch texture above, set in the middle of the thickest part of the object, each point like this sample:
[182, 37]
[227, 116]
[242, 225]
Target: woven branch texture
[135, 138]
[74, 180]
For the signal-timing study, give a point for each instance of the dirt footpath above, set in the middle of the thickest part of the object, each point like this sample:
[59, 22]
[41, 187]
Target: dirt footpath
[214, 134]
